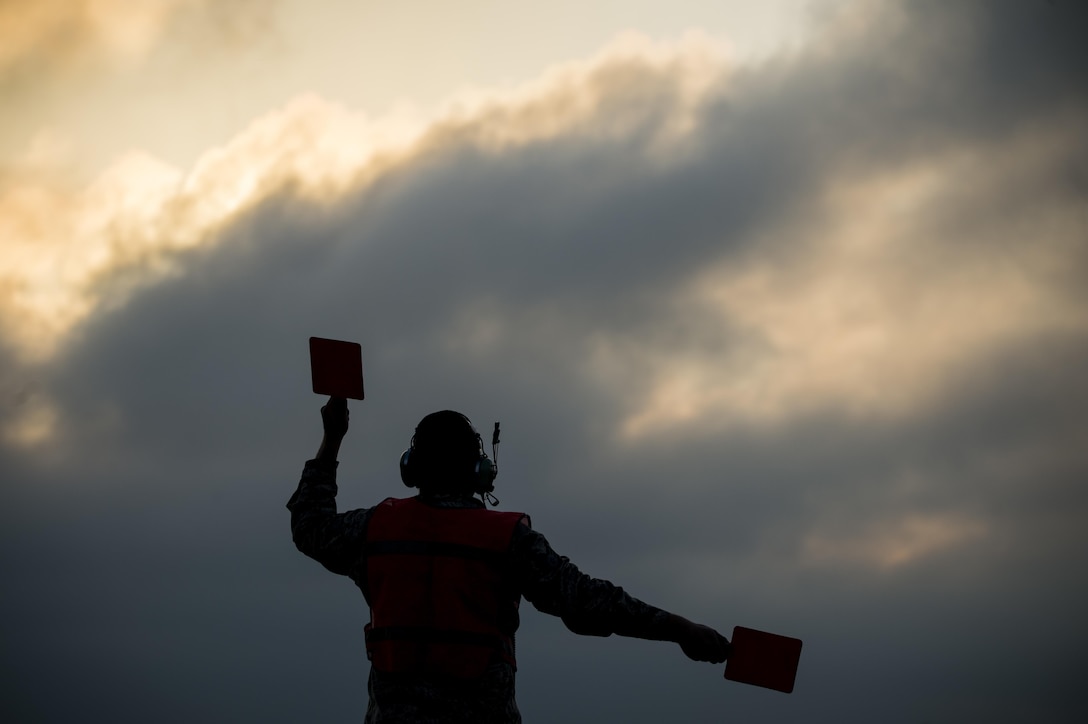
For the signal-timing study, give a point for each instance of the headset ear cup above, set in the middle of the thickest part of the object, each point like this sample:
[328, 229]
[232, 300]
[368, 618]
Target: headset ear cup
[486, 472]
[407, 475]
[484, 469]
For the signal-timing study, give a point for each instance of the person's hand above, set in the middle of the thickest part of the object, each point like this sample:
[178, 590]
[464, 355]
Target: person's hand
[334, 417]
[702, 643]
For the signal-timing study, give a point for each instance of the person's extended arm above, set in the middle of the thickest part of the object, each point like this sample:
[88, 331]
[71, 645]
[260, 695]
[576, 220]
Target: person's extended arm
[595, 607]
[318, 530]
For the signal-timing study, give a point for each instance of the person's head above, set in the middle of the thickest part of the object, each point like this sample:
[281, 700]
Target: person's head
[446, 455]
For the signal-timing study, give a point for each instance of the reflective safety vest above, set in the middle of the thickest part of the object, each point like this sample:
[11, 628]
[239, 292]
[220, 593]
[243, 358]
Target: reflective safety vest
[438, 588]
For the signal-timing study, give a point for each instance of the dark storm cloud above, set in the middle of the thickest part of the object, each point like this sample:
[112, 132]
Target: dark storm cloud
[917, 553]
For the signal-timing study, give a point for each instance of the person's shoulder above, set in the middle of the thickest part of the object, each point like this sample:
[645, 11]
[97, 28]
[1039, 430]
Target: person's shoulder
[523, 528]
[523, 520]
[515, 518]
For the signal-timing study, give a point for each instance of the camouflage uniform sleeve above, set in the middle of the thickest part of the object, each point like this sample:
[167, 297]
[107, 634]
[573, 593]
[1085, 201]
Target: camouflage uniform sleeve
[588, 606]
[332, 539]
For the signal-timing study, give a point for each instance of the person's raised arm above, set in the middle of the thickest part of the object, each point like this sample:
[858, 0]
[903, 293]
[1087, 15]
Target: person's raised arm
[331, 538]
[334, 420]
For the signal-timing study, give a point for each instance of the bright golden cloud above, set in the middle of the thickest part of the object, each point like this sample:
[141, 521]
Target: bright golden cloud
[64, 32]
[888, 544]
[39, 36]
[602, 96]
[876, 305]
[63, 245]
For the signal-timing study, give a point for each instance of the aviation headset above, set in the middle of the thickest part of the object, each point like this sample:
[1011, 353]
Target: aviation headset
[483, 471]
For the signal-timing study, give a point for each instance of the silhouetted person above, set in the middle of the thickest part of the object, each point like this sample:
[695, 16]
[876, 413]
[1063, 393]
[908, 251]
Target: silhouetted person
[443, 577]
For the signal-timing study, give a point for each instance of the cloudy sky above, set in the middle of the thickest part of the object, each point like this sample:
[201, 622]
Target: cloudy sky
[783, 308]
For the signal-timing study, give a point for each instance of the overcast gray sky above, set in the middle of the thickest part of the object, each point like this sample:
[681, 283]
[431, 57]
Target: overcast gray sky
[783, 313]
